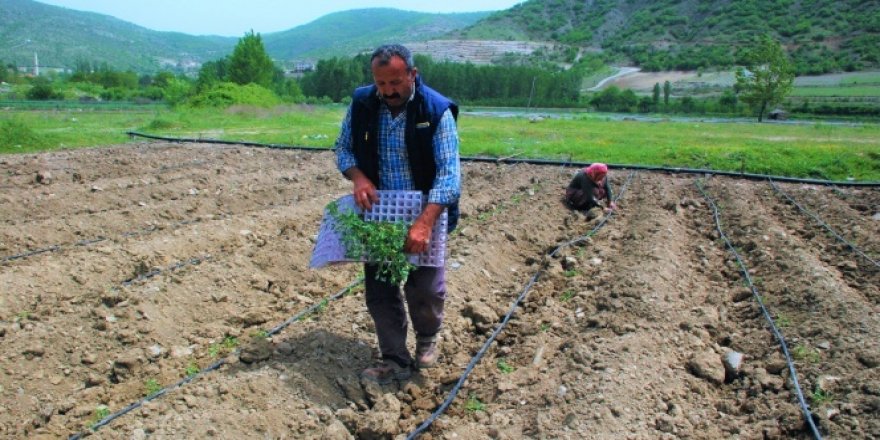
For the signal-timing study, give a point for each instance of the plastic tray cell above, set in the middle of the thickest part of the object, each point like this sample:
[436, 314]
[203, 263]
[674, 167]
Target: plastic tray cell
[393, 206]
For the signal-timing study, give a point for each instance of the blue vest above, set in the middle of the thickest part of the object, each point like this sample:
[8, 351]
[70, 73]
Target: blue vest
[423, 114]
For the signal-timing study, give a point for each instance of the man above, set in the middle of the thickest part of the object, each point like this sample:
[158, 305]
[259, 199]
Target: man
[399, 134]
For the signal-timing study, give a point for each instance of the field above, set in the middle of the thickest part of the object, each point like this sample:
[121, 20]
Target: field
[128, 269]
[851, 84]
[815, 150]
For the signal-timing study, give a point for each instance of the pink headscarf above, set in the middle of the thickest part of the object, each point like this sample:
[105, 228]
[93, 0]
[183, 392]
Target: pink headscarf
[596, 172]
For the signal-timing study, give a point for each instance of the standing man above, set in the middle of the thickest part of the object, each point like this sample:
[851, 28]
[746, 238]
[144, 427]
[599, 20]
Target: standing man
[399, 134]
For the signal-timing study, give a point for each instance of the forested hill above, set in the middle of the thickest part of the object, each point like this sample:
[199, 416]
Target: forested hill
[821, 35]
[350, 32]
[61, 37]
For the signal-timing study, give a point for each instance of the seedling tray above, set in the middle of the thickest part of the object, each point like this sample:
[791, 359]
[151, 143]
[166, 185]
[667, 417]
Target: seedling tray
[393, 206]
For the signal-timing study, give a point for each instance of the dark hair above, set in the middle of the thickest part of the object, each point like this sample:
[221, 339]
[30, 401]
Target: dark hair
[385, 52]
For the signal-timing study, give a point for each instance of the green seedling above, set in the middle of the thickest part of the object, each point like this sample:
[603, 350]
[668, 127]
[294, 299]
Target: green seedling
[379, 242]
[23, 315]
[152, 386]
[783, 321]
[101, 412]
[260, 334]
[473, 404]
[803, 353]
[570, 273]
[567, 295]
[319, 309]
[504, 367]
[820, 397]
[191, 369]
[545, 326]
[228, 344]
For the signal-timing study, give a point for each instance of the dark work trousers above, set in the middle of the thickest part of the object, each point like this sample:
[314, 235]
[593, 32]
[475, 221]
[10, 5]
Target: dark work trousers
[425, 290]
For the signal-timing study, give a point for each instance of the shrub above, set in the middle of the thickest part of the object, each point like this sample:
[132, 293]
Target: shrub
[42, 91]
[14, 134]
[226, 94]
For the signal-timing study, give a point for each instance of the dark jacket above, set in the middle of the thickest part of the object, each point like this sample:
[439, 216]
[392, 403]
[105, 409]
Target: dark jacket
[423, 114]
[581, 192]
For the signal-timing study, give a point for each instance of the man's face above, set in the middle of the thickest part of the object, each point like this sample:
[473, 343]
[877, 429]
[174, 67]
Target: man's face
[395, 83]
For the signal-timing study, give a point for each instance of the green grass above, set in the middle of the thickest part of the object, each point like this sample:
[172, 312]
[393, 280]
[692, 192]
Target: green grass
[849, 91]
[824, 151]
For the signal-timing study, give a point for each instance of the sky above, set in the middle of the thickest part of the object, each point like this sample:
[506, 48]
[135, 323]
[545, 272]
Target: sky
[233, 18]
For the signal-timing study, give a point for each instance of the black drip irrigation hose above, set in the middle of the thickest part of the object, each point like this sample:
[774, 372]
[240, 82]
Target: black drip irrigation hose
[476, 359]
[53, 248]
[191, 262]
[221, 142]
[750, 176]
[216, 365]
[823, 224]
[108, 419]
[805, 409]
[90, 241]
[27, 254]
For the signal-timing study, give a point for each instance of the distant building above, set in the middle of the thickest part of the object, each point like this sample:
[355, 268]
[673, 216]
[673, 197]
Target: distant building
[43, 70]
[299, 68]
[778, 114]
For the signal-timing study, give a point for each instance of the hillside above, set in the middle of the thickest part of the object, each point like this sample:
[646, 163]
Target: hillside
[822, 35]
[350, 32]
[62, 36]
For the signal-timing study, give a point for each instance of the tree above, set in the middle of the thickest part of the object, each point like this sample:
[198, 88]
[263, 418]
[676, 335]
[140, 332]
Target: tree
[656, 95]
[667, 88]
[42, 90]
[250, 63]
[211, 73]
[606, 100]
[767, 77]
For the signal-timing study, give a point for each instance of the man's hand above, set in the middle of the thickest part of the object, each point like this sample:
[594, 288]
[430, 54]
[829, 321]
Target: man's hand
[418, 239]
[364, 191]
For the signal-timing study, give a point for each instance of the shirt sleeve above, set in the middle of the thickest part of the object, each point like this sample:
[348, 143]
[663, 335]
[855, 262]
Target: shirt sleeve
[344, 153]
[607, 190]
[447, 183]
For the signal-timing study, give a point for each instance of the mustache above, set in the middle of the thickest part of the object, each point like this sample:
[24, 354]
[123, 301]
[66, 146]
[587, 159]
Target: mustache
[391, 96]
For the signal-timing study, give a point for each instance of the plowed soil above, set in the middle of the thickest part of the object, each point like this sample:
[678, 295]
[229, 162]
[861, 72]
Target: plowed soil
[126, 269]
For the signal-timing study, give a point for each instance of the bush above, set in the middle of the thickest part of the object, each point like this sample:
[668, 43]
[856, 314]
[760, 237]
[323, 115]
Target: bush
[226, 94]
[14, 134]
[42, 91]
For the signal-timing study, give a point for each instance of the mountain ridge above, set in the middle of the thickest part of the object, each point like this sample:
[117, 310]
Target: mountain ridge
[62, 37]
[820, 35]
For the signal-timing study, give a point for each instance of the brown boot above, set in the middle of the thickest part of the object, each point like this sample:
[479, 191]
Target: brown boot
[427, 351]
[386, 372]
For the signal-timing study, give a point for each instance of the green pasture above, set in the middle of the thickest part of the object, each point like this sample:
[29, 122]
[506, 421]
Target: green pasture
[820, 150]
[847, 92]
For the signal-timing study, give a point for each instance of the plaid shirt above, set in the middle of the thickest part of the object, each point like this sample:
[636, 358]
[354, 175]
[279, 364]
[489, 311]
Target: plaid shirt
[394, 169]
